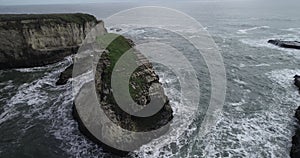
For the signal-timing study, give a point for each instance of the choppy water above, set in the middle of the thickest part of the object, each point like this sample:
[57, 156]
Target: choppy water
[257, 119]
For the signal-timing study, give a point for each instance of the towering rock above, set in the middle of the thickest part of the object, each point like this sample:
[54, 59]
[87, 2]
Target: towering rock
[144, 87]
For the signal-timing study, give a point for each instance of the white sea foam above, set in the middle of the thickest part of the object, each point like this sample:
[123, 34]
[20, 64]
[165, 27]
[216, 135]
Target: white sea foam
[258, 133]
[180, 129]
[284, 77]
[258, 65]
[63, 127]
[295, 30]
[43, 68]
[237, 105]
[7, 85]
[261, 65]
[81, 80]
[245, 31]
[239, 81]
[8, 114]
[30, 94]
[135, 30]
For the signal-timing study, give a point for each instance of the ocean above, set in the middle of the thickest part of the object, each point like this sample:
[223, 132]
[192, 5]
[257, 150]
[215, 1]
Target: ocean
[257, 117]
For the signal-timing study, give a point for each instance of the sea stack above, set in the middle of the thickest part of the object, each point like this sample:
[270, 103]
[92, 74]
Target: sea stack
[144, 87]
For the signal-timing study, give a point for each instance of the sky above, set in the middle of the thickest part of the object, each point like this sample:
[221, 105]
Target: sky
[30, 2]
[37, 2]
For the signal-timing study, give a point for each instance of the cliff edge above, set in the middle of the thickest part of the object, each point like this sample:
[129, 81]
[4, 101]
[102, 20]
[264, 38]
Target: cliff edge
[29, 40]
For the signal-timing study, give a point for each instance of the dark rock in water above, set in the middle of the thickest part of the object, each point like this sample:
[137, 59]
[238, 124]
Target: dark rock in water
[297, 81]
[141, 80]
[295, 150]
[29, 40]
[286, 44]
[65, 76]
[297, 115]
[115, 29]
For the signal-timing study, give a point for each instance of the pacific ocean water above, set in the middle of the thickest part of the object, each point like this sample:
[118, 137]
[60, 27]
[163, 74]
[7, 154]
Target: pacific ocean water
[257, 118]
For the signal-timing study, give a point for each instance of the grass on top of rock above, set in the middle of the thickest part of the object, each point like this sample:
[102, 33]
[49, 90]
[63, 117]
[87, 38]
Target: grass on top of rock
[78, 18]
[117, 45]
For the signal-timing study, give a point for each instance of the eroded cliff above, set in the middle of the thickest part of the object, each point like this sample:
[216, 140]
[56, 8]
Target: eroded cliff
[29, 40]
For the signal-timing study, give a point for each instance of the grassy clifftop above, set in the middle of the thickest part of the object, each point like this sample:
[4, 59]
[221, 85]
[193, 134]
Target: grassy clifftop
[72, 17]
[117, 48]
[29, 40]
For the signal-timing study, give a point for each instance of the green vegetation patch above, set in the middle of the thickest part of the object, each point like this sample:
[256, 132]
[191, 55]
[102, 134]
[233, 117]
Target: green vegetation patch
[78, 18]
[117, 45]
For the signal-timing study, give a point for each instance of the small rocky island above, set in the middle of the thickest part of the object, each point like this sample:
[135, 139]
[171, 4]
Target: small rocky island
[38, 40]
[285, 44]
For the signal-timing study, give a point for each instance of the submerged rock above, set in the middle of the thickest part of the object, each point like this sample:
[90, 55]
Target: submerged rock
[115, 29]
[29, 40]
[65, 76]
[286, 44]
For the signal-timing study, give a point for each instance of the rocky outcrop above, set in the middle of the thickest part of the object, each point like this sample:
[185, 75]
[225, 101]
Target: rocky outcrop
[295, 151]
[140, 83]
[65, 76]
[286, 44]
[297, 81]
[144, 85]
[36, 40]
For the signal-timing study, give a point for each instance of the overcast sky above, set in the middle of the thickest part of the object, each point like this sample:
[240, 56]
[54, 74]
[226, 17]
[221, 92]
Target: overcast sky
[32, 2]
[29, 2]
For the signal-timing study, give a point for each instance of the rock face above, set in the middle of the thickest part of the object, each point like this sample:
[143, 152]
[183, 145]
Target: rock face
[36, 40]
[139, 85]
[286, 44]
[295, 151]
[65, 76]
[143, 85]
[297, 81]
